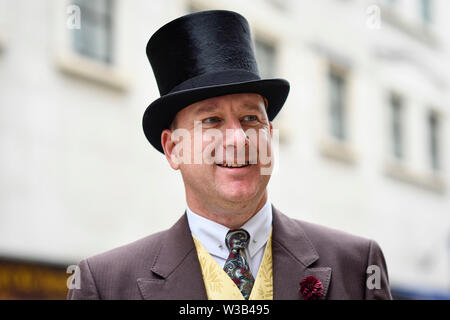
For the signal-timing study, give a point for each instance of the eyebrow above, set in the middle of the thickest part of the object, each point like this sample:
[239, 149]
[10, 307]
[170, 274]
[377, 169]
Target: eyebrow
[206, 108]
[253, 107]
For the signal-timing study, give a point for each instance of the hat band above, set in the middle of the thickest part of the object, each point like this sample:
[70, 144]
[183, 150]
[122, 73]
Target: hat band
[216, 78]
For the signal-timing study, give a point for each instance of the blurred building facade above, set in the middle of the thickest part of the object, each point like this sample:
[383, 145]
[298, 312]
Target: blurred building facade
[364, 135]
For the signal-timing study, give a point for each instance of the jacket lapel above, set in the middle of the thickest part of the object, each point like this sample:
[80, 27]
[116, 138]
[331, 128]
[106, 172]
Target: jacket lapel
[176, 272]
[293, 254]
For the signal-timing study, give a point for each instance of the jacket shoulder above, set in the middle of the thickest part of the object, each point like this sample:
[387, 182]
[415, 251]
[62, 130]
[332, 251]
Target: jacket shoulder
[113, 274]
[334, 247]
[322, 235]
[349, 258]
[356, 261]
[135, 251]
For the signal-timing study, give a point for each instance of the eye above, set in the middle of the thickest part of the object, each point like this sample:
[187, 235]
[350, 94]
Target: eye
[250, 118]
[210, 120]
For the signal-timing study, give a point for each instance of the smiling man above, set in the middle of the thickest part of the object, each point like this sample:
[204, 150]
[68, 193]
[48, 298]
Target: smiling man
[227, 190]
[213, 124]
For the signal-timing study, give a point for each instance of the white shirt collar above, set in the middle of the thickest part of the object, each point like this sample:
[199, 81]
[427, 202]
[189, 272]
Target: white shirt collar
[212, 234]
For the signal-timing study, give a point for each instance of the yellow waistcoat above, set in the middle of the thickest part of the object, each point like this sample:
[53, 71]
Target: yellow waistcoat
[219, 285]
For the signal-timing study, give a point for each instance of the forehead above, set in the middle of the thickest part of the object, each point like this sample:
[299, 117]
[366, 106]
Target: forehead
[251, 101]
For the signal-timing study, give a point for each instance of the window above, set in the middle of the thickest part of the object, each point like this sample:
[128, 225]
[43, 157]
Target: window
[425, 7]
[265, 56]
[3, 25]
[433, 140]
[391, 2]
[396, 106]
[191, 8]
[94, 38]
[336, 107]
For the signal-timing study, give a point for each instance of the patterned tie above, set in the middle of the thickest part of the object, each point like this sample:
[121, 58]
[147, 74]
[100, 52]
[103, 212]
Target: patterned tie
[236, 265]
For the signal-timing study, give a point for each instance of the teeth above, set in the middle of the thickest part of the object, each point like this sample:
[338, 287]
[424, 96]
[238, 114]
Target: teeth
[232, 165]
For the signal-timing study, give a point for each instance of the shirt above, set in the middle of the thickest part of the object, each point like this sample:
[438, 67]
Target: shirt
[212, 236]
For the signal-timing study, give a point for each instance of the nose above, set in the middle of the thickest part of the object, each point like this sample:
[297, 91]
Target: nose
[235, 142]
[235, 135]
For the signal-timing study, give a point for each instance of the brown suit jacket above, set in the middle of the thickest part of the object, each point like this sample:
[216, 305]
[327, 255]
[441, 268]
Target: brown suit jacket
[165, 265]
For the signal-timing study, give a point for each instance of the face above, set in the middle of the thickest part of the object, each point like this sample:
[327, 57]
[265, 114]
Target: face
[219, 154]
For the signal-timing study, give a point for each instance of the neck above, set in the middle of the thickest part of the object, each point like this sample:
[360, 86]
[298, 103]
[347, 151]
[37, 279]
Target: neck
[233, 216]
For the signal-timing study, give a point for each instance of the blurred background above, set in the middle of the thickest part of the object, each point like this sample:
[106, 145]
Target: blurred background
[364, 134]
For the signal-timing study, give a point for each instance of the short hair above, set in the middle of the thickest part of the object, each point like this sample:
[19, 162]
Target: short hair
[173, 124]
[266, 102]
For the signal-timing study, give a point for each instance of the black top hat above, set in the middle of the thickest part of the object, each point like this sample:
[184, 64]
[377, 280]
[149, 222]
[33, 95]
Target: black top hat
[200, 56]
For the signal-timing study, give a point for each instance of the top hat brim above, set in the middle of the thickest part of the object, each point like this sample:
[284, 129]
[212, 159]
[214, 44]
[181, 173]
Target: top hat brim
[160, 113]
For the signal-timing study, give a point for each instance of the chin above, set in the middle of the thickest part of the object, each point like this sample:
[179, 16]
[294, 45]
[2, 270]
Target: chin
[239, 194]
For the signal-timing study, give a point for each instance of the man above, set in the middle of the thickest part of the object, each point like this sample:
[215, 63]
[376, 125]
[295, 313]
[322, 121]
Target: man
[213, 123]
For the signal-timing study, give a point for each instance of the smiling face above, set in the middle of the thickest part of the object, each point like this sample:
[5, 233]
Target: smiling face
[220, 161]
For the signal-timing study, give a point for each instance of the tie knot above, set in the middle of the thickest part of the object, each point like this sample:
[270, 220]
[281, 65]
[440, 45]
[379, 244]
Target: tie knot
[237, 239]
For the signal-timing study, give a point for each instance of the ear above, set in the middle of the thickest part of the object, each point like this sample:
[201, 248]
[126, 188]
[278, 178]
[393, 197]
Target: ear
[271, 129]
[168, 145]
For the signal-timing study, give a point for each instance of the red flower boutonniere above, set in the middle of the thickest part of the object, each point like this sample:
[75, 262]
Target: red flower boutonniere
[311, 288]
